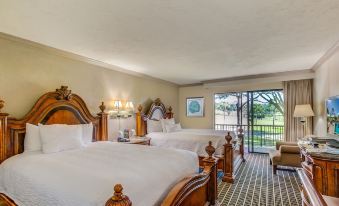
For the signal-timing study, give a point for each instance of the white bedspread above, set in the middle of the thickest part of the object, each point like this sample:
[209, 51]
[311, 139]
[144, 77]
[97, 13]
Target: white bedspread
[194, 140]
[87, 176]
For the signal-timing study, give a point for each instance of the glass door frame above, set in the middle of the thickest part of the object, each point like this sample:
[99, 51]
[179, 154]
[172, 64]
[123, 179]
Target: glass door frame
[250, 115]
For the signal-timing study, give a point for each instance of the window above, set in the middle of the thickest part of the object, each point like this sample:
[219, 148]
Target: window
[259, 113]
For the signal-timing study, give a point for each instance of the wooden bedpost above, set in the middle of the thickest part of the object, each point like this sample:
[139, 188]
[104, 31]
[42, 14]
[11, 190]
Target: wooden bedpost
[3, 132]
[241, 144]
[212, 162]
[169, 113]
[118, 198]
[103, 121]
[228, 160]
[140, 123]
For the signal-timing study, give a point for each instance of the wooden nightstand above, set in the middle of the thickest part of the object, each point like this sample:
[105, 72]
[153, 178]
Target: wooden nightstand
[139, 140]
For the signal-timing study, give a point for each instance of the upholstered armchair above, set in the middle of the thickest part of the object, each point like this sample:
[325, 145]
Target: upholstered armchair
[285, 154]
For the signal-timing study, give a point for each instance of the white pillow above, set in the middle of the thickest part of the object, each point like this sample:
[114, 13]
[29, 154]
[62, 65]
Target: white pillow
[173, 127]
[32, 140]
[87, 133]
[56, 138]
[153, 126]
[165, 122]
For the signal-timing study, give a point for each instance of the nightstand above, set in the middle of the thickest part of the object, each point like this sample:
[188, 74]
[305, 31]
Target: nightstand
[138, 140]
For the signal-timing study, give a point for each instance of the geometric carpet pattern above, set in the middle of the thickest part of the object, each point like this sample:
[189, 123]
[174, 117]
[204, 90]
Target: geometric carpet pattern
[255, 184]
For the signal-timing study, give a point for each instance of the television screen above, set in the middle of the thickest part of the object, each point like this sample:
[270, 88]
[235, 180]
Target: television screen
[332, 107]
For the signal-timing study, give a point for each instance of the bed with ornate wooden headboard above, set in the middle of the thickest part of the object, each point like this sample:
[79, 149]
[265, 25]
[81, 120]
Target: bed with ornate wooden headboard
[230, 157]
[58, 107]
[64, 107]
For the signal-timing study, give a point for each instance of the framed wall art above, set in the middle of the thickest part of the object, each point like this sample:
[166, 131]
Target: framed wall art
[195, 107]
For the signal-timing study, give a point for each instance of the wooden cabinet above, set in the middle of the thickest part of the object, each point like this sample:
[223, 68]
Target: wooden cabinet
[333, 178]
[324, 172]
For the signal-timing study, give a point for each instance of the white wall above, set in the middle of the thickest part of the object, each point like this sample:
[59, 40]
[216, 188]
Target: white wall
[207, 121]
[28, 71]
[326, 84]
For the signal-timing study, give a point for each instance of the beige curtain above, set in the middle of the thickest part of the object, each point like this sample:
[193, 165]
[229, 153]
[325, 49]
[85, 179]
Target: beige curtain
[296, 92]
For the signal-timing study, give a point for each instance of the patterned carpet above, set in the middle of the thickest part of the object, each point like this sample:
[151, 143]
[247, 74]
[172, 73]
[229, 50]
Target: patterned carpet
[255, 184]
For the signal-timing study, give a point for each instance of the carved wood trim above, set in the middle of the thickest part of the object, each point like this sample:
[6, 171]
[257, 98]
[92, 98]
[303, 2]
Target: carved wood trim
[233, 157]
[141, 118]
[3, 132]
[6, 201]
[309, 190]
[323, 177]
[197, 189]
[336, 180]
[228, 158]
[58, 107]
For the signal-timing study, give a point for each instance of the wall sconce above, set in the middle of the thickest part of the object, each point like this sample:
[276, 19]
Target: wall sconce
[121, 110]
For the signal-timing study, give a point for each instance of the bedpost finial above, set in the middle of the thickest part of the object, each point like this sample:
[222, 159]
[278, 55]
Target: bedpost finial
[102, 107]
[241, 130]
[2, 104]
[118, 198]
[210, 150]
[228, 137]
[117, 192]
[139, 108]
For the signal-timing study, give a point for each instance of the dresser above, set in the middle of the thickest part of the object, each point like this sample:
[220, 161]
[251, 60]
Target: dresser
[321, 165]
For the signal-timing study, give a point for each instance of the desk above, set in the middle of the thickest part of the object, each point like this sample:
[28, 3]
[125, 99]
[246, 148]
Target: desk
[321, 165]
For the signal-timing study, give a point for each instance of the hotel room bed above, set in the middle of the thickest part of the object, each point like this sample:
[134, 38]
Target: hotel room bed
[75, 177]
[86, 175]
[191, 139]
[155, 121]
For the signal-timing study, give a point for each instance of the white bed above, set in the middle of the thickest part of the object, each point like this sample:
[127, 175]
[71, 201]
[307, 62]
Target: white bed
[75, 177]
[194, 140]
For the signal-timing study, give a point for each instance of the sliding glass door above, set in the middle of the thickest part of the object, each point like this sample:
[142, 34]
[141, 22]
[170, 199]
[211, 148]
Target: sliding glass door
[259, 113]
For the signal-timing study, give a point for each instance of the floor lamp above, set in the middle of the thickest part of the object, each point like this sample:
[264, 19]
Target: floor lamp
[303, 111]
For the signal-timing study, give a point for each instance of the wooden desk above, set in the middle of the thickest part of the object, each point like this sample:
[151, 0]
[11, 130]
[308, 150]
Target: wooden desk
[321, 168]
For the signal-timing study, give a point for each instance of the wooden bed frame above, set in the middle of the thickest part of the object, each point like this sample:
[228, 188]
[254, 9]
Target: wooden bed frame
[233, 156]
[64, 107]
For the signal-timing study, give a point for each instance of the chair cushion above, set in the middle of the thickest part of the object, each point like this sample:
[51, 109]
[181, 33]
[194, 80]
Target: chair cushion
[289, 149]
[275, 156]
[280, 143]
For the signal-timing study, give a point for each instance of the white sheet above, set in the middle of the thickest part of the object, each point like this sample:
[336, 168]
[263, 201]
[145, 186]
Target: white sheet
[194, 140]
[86, 176]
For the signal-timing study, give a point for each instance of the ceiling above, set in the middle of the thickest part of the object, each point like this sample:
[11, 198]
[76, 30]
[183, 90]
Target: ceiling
[182, 41]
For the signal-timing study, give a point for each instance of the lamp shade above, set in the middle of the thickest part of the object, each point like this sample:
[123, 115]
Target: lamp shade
[303, 110]
[129, 105]
[117, 104]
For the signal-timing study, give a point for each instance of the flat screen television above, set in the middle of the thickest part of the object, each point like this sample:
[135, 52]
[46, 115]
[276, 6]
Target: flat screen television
[332, 108]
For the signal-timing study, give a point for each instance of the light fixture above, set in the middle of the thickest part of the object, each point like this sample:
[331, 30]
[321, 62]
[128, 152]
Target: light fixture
[117, 104]
[129, 106]
[120, 111]
[303, 111]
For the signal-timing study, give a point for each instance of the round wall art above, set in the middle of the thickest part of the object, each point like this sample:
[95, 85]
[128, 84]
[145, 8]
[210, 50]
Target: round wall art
[195, 107]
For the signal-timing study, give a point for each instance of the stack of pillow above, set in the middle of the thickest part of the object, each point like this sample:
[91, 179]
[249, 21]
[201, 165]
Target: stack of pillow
[57, 137]
[163, 125]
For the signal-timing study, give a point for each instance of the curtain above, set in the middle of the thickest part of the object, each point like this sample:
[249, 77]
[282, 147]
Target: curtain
[296, 92]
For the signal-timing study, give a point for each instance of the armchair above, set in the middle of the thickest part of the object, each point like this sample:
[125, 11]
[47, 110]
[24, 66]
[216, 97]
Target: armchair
[285, 154]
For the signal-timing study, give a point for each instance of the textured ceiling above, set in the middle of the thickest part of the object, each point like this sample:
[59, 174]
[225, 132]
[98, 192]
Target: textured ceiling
[182, 41]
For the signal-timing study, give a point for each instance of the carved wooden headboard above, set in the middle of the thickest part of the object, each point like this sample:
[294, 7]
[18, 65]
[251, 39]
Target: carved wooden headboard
[156, 112]
[58, 107]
